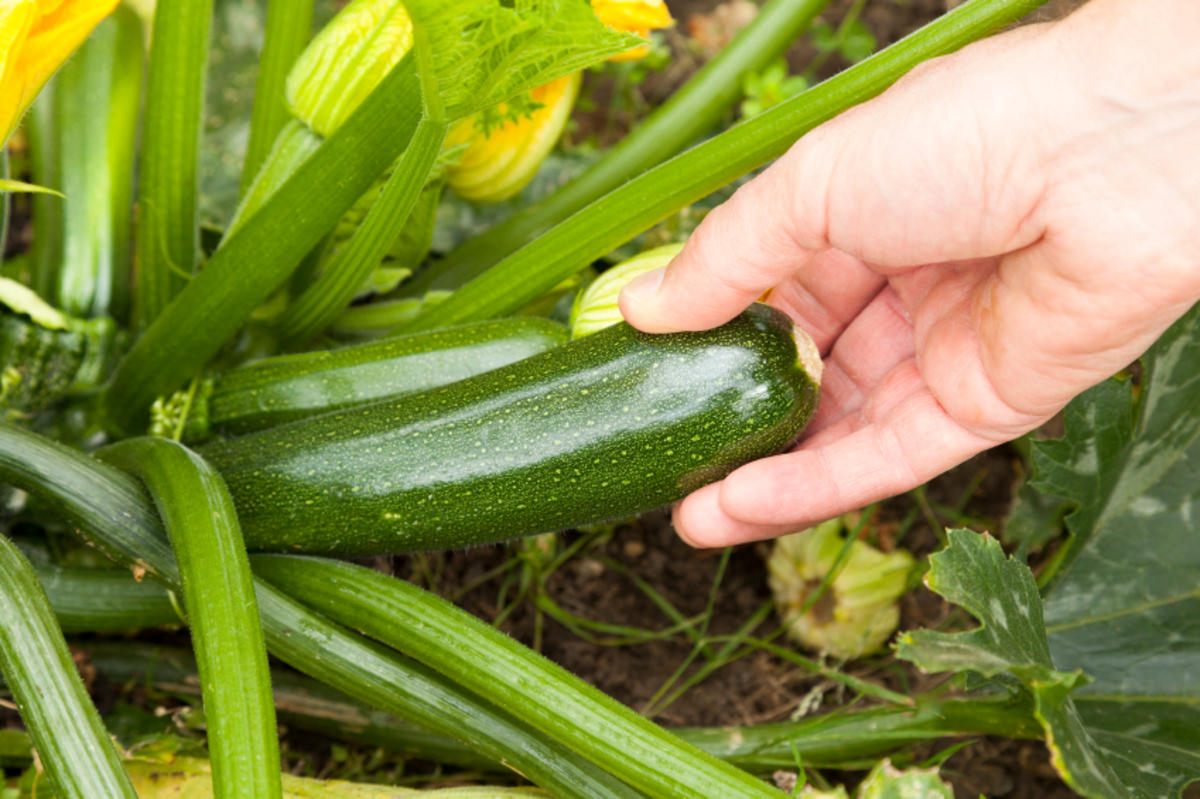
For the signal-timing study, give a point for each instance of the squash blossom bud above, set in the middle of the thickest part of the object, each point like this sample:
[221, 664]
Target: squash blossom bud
[36, 36]
[596, 306]
[346, 61]
[633, 16]
[495, 164]
[857, 612]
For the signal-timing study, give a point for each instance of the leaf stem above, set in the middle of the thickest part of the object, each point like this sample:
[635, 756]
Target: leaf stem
[540, 692]
[218, 596]
[167, 231]
[69, 736]
[288, 28]
[637, 205]
[690, 112]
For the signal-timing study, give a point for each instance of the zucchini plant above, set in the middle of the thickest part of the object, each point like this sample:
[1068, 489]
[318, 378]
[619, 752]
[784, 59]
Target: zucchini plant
[202, 386]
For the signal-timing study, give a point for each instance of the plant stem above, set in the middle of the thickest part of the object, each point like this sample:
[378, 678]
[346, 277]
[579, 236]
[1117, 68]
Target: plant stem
[218, 596]
[831, 740]
[324, 300]
[689, 113]
[105, 600]
[112, 511]
[72, 744]
[257, 259]
[540, 692]
[642, 202]
[45, 253]
[97, 100]
[288, 28]
[167, 231]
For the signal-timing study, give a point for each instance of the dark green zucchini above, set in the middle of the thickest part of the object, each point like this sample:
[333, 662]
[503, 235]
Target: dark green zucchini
[289, 387]
[604, 427]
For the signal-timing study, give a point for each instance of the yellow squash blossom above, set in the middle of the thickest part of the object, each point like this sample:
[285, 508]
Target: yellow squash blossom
[36, 36]
[633, 16]
[496, 164]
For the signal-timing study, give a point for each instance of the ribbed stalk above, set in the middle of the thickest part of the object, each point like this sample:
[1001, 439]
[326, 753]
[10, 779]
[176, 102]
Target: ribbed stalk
[218, 596]
[96, 103]
[639, 204]
[257, 259]
[324, 300]
[540, 692]
[72, 744]
[288, 28]
[688, 114]
[45, 253]
[112, 511]
[167, 234]
[834, 740]
[105, 600]
[300, 702]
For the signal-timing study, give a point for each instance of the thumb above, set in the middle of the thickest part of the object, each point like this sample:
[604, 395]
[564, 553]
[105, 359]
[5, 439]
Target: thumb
[938, 168]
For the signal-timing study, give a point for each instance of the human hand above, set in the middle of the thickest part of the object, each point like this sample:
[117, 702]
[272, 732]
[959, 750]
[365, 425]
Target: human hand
[1002, 229]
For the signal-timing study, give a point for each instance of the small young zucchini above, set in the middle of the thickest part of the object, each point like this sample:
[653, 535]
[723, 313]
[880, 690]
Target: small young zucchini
[604, 427]
[289, 387]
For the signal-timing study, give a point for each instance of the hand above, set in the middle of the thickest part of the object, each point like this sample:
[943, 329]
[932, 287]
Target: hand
[1002, 229]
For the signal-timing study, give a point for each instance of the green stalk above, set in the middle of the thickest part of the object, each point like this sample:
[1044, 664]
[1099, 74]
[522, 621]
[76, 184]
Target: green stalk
[46, 250]
[692, 111]
[288, 28]
[300, 702]
[218, 595]
[112, 511]
[842, 739]
[72, 744]
[833, 740]
[639, 204]
[167, 231]
[105, 600]
[96, 103]
[325, 299]
[257, 259]
[540, 692]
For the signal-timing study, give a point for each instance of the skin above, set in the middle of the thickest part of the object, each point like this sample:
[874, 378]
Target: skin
[1002, 229]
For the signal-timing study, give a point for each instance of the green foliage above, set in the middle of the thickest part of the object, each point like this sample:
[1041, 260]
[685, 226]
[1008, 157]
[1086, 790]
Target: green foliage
[852, 40]
[768, 87]
[485, 53]
[1106, 667]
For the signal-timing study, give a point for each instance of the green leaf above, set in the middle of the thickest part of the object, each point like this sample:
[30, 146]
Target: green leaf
[8, 185]
[1124, 603]
[1036, 519]
[973, 572]
[485, 52]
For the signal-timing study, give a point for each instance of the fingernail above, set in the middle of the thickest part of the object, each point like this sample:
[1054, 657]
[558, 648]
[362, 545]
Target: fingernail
[643, 287]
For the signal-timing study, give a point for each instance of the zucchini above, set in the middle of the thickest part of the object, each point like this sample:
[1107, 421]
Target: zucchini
[604, 427]
[289, 387]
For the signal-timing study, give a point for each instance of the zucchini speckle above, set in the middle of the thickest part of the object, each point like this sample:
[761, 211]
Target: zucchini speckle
[453, 466]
